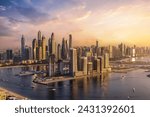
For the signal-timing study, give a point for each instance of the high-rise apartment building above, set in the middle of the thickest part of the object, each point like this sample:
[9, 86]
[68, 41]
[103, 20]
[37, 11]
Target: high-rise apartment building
[43, 48]
[22, 47]
[73, 61]
[9, 54]
[34, 49]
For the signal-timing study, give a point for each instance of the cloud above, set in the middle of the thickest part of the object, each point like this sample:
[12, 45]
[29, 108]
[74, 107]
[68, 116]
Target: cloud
[32, 14]
[85, 16]
[6, 28]
[23, 11]
[2, 8]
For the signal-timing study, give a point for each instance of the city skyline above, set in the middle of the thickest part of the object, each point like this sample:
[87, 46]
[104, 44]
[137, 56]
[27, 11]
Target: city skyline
[109, 22]
[76, 49]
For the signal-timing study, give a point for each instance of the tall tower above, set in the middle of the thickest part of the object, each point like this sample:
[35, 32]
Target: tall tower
[122, 49]
[9, 54]
[97, 48]
[110, 51]
[84, 65]
[58, 51]
[52, 45]
[67, 49]
[64, 49]
[106, 60]
[22, 47]
[49, 46]
[73, 62]
[70, 41]
[70, 44]
[39, 46]
[43, 48]
[27, 53]
[96, 43]
[34, 49]
[39, 36]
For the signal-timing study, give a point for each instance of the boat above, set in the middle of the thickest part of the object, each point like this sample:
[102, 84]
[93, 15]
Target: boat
[54, 89]
[25, 73]
[122, 77]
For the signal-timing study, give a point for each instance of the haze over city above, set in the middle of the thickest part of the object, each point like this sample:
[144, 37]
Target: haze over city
[110, 22]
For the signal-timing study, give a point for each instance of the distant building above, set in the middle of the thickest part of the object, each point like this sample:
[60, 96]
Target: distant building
[59, 52]
[84, 65]
[39, 47]
[63, 67]
[101, 60]
[22, 47]
[106, 60]
[122, 49]
[64, 50]
[52, 45]
[110, 52]
[70, 41]
[73, 62]
[89, 68]
[133, 53]
[98, 65]
[9, 54]
[34, 49]
[28, 53]
[52, 65]
[43, 48]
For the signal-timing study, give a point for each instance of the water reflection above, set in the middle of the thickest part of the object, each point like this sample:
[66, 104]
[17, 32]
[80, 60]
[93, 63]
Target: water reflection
[106, 86]
[86, 88]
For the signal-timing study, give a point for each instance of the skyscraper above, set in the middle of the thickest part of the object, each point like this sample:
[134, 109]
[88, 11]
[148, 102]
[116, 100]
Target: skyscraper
[64, 49]
[96, 43]
[84, 65]
[53, 45]
[101, 61]
[39, 56]
[67, 50]
[49, 46]
[9, 54]
[34, 49]
[98, 66]
[27, 53]
[97, 49]
[122, 49]
[58, 51]
[52, 65]
[22, 47]
[110, 51]
[70, 41]
[73, 62]
[106, 60]
[39, 37]
[39, 53]
[43, 48]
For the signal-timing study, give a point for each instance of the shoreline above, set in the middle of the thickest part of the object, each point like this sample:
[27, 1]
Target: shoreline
[125, 70]
[10, 95]
[17, 66]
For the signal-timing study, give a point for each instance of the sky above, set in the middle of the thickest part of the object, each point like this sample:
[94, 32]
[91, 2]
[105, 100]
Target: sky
[108, 21]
